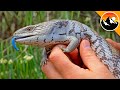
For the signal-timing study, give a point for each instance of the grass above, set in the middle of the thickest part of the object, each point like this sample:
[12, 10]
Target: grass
[24, 64]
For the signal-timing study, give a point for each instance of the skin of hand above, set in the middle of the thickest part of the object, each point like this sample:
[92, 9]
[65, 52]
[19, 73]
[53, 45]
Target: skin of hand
[71, 66]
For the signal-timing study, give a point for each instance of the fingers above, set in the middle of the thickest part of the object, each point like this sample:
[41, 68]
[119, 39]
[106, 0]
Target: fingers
[50, 71]
[113, 43]
[59, 65]
[89, 58]
[75, 57]
[61, 62]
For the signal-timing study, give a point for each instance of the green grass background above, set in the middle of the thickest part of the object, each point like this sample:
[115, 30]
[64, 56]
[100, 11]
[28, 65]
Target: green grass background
[13, 65]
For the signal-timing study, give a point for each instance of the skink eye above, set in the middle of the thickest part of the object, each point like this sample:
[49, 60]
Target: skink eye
[29, 29]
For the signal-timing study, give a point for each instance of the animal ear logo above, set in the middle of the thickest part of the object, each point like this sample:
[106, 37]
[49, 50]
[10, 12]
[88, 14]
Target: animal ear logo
[109, 21]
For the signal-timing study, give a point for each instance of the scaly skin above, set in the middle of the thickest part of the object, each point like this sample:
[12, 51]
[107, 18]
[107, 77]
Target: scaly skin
[68, 32]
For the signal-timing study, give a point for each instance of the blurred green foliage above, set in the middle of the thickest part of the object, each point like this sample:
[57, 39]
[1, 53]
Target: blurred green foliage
[25, 63]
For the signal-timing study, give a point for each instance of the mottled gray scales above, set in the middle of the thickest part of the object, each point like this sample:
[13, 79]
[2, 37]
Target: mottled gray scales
[68, 32]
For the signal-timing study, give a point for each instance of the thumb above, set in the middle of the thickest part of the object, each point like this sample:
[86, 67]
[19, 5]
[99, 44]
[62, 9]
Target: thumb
[89, 57]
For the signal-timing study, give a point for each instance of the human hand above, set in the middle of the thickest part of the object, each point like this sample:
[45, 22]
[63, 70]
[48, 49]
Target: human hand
[60, 66]
[114, 44]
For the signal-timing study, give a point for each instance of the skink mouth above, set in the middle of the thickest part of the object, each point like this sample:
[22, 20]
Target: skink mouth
[17, 38]
[20, 37]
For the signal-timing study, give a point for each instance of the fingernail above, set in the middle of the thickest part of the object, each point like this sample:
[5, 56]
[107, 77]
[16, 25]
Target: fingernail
[86, 44]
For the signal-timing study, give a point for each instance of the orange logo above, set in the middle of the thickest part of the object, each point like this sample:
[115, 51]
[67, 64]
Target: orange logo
[109, 21]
